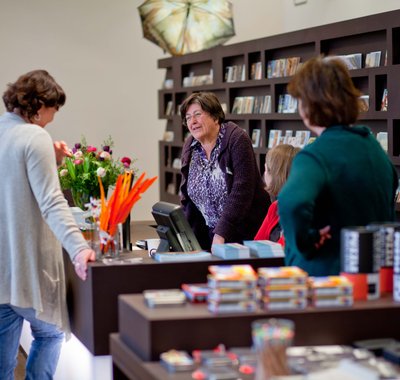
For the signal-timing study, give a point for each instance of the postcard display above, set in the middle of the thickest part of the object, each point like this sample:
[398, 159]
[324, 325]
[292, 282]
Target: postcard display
[250, 80]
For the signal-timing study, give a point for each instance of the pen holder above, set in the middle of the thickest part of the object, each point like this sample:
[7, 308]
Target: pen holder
[271, 338]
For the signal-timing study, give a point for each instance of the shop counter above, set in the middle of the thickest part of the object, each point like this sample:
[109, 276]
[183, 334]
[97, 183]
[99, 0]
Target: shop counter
[148, 332]
[93, 304]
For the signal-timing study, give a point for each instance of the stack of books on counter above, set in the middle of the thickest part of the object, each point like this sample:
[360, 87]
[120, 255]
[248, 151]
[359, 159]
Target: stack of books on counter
[231, 251]
[264, 248]
[331, 291]
[283, 288]
[164, 297]
[176, 257]
[232, 288]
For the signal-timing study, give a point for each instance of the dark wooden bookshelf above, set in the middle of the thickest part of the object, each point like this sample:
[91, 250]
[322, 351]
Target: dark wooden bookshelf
[380, 32]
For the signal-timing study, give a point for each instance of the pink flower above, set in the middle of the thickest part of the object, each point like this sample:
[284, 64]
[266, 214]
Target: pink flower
[105, 155]
[91, 148]
[78, 161]
[63, 172]
[78, 154]
[126, 161]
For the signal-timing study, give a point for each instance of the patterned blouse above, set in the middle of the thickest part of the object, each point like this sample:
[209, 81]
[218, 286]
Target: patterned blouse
[206, 182]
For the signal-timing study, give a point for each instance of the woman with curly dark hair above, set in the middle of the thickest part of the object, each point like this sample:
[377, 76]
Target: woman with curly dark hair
[35, 219]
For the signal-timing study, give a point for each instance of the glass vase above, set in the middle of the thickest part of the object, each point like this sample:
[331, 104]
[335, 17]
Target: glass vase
[109, 246]
[80, 198]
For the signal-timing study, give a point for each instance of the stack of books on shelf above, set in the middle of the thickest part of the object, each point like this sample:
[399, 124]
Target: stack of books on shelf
[231, 251]
[264, 248]
[198, 80]
[235, 73]
[256, 71]
[287, 104]
[331, 291]
[384, 104]
[283, 288]
[169, 109]
[232, 288]
[382, 138]
[300, 139]
[364, 103]
[283, 67]
[373, 59]
[195, 293]
[352, 61]
[252, 104]
[164, 297]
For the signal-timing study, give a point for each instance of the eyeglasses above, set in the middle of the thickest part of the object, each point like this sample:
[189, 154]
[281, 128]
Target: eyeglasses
[196, 115]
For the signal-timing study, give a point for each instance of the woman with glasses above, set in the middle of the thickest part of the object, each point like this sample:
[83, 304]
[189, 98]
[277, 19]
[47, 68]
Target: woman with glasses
[222, 191]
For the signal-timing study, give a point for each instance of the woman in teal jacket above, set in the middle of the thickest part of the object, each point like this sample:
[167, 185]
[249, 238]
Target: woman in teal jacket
[342, 179]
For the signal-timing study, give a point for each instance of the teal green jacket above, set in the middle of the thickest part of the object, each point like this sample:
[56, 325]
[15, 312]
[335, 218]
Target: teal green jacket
[342, 179]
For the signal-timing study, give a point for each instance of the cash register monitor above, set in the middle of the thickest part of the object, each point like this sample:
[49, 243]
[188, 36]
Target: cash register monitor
[173, 229]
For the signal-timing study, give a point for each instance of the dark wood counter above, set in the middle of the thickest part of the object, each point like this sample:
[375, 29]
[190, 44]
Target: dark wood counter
[128, 366]
[151, 331]
[93, 304]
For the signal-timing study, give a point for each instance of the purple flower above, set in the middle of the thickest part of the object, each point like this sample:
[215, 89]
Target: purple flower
[106, 148]
[78, 145]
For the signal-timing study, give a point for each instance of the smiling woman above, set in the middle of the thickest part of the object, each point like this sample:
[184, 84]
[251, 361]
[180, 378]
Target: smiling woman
[222, 191]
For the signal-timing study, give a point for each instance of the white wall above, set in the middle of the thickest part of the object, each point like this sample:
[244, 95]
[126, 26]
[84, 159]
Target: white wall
[95, 50]
[321, 12]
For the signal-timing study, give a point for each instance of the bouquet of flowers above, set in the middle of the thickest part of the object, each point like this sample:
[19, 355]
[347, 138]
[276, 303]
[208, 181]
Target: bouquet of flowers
[79, 173]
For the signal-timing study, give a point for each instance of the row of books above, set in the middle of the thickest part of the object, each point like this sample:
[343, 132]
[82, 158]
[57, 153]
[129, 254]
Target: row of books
[198, 80]
[355, 61]
[364, 102]
[283, 67]
[299, 139]
[233, 288]
[256, 71]
[287, 104]
[239, 288]
[236, 73]
[277, 68]
[252, 104]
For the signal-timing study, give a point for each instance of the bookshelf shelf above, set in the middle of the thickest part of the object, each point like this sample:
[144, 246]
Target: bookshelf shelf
[241, 70]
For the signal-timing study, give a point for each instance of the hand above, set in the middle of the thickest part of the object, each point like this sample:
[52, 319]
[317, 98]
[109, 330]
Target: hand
[324, 234]
[80, 262]
[62, 150]
[217, 240]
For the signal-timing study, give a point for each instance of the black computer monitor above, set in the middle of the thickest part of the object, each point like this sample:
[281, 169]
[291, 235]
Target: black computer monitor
[173, 229]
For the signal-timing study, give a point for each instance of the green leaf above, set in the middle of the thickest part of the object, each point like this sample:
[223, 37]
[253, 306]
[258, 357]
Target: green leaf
[71, 168]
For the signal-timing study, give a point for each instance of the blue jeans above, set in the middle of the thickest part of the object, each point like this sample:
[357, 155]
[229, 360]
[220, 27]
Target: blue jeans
[45, 350]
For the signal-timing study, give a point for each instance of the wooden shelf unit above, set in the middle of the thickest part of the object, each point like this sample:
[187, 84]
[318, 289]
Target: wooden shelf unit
[380, 32]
